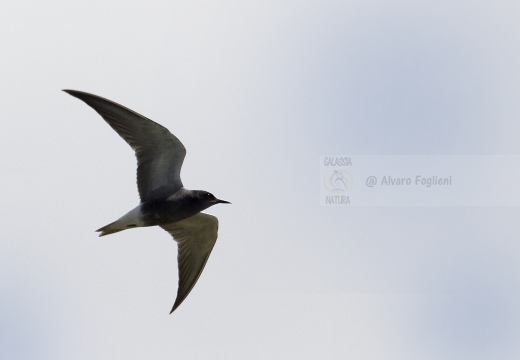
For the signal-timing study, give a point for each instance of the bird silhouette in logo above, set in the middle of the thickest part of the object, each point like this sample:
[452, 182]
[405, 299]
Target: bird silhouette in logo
[337, 180]
[164, 200]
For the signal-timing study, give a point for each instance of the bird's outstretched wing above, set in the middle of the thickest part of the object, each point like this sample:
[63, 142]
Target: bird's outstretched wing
[195, 238]
[159, 153]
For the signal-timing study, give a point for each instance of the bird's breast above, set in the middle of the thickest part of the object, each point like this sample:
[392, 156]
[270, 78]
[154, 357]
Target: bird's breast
[160, 212]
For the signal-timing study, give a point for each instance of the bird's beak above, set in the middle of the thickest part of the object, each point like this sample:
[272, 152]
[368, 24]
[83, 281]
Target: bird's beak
[222, 202]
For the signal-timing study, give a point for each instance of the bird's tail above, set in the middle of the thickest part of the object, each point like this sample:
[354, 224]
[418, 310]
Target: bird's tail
[111, 228]
[130, 220]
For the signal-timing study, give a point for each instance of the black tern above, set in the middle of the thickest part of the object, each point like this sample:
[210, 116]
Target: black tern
[164, 200]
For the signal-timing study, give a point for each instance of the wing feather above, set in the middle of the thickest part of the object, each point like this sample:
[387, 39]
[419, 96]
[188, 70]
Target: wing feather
[159, 153]
[195, 237]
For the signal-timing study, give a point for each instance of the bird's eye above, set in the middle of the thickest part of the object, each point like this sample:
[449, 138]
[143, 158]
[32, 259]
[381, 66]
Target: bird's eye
[208, 195]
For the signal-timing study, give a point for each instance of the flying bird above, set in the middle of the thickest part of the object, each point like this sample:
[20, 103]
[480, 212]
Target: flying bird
[164, 200]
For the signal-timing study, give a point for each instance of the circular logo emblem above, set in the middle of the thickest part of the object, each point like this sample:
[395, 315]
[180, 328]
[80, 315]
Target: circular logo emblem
[338, 181]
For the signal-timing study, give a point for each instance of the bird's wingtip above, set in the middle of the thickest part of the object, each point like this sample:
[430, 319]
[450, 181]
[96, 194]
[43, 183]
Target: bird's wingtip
[71, 92]
[175, 306]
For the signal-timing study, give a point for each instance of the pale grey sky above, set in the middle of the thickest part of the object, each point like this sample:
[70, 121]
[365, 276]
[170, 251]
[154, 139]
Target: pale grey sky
[257, 91]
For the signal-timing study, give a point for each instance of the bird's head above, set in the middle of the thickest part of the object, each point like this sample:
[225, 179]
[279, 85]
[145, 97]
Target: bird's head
[208, 199]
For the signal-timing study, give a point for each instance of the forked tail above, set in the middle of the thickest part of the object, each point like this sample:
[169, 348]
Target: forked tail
[111, 228]
[131, 219]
